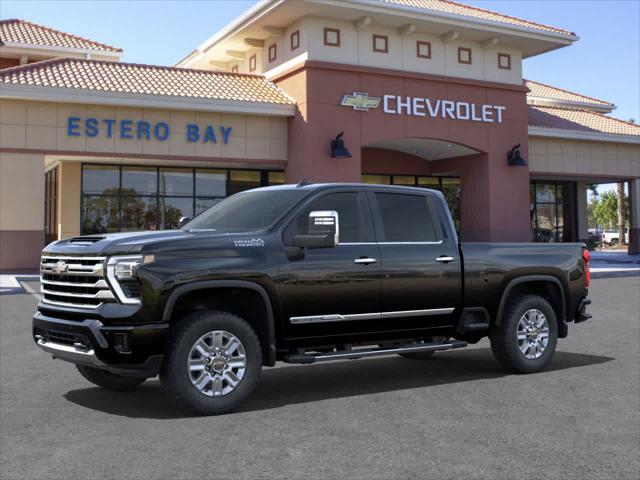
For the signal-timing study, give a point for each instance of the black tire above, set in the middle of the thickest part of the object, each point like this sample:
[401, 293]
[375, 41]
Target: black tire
[174, 373]
[108, 380]
[417, 355]
[504, 338]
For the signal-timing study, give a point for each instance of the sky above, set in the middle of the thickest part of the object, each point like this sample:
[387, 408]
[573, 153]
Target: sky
[604, 63]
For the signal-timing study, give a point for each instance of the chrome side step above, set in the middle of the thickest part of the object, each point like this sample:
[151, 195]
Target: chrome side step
[372, 352]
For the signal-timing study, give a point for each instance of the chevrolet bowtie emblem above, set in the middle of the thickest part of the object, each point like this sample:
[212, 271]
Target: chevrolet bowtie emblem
[360, 101]
[60, 266]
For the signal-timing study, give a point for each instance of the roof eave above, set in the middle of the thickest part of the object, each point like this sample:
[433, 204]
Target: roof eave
[535, 131]
[51, 48]
[76, 95]
[550, 102]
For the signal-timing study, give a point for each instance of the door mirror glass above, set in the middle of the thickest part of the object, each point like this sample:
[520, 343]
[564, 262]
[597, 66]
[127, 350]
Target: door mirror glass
[323, 230]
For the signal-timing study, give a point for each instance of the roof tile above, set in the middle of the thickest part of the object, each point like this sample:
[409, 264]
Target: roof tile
[134, 78]
[579, 120]
[21, 31]
[444, 6]
[537, 89]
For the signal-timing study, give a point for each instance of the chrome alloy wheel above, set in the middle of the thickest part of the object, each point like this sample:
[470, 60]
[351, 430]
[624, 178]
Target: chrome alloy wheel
[217, 363]
[533, 334]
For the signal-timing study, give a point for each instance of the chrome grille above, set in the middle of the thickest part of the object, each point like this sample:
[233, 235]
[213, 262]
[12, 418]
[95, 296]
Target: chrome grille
[74, 281]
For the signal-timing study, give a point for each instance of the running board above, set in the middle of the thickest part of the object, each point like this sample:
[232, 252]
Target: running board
[371, 352]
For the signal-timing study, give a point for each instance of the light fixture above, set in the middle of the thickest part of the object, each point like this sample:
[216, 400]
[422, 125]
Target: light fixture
[514, 159]
[338, 149]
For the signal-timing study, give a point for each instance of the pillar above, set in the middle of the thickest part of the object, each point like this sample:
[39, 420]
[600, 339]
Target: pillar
[69, 199]
[582, 223]
[634, 223]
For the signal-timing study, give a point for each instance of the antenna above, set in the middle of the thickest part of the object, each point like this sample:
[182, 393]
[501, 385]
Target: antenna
[303, 182]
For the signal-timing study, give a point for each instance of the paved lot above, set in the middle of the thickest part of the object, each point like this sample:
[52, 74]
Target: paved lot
[454, 416]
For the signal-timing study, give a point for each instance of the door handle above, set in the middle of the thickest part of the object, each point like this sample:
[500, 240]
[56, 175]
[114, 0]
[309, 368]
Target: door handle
[364, 260]
[444, 259]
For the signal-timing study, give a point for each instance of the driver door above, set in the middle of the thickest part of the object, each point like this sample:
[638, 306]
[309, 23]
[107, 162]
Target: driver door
[321, 288]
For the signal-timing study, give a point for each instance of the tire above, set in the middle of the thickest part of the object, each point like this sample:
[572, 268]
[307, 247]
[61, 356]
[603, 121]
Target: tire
[509, 345]
[205, 381]
[108, 380]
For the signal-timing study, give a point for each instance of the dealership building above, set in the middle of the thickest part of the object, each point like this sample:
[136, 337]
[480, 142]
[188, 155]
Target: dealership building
[428, 93]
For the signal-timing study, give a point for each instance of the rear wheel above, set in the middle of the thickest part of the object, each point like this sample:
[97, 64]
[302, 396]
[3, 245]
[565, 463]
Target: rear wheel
[108, 380]
[212, 364]
[526, 339]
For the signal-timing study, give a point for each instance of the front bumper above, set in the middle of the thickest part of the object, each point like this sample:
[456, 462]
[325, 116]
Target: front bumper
[124, 349]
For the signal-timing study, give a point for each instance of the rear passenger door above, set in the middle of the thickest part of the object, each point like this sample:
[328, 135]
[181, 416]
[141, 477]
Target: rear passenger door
[420, 268]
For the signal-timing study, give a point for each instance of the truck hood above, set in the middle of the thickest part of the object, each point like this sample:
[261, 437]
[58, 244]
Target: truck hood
[148, 242]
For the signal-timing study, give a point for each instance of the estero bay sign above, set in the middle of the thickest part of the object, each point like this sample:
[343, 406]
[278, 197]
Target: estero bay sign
[426, 107]
[144, 130]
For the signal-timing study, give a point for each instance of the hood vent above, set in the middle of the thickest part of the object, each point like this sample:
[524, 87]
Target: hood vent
[86, 239]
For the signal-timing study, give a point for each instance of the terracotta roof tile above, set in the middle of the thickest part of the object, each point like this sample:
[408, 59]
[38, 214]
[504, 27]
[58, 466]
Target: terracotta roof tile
[445, 6]
[579, 120]
[21, 31]
[542, 90]
[134, 78]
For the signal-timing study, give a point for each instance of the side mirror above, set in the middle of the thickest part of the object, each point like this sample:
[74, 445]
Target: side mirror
[183, 220]
[323, 231]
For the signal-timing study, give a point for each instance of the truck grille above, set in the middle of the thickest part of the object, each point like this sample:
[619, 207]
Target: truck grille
[74, 281]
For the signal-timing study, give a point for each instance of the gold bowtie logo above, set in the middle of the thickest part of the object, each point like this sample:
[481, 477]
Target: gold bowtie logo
[360, 101]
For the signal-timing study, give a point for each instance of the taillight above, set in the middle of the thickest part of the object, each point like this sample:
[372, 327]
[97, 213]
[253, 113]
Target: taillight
[586, 256]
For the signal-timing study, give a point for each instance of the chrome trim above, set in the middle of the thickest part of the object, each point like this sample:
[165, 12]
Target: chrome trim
[439, 242]
[365, 261]
[74, 305]
[445, 259]
[98, 294]
[382, 351]
[79, 257]
[113, 281]
[369, 316]
[69, 353]
[99, 284]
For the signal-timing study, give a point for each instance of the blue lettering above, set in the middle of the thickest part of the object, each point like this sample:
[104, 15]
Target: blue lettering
[193, 132]
[161, 131]
[209, 135]
[125, 129]
[225, 134]
[91, 127]
[144, 128]
[110, 123]
[73, 126]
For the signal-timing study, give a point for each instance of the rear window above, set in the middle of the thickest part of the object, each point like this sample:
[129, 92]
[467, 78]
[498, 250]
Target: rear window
[406, 218]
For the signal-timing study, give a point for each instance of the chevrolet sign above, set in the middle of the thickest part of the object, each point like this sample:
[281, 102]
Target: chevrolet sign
[360, 101]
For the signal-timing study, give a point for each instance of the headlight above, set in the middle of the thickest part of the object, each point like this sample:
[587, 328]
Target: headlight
[122, 270]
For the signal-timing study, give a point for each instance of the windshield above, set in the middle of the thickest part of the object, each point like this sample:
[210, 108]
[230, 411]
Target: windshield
[249, 211]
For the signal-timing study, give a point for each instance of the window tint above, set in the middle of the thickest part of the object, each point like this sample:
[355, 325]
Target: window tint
[406, 218]
[350, 217]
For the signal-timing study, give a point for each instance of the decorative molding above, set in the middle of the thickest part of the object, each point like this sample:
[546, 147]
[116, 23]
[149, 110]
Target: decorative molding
[450, 36]
[407, 29]
[580, 135]
[489, 42]
[254, 42]
[277, 32]
[237, 54]
[362, 23]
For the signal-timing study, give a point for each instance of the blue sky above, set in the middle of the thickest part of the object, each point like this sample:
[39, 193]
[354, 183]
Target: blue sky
[604, 63]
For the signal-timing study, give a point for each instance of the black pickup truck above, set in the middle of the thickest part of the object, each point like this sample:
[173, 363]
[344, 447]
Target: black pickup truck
[301, 274]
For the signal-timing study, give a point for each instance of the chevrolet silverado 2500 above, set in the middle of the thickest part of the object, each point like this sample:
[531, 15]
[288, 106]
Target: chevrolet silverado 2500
[301, 274]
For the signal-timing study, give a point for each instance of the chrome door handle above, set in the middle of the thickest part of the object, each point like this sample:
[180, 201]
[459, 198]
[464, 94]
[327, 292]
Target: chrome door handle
[364, 260]
[444, 259]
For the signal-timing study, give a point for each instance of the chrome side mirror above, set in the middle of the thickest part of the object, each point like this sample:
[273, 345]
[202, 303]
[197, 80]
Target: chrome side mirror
[183, 220]
[323, 231]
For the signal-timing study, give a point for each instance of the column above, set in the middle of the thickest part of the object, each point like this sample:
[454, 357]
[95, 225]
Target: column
[634, 223]
[582, 223]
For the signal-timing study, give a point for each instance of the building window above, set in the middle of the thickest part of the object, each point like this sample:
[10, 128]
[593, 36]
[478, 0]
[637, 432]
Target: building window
[449, 186]
[273, 52]
[380, 43]
[51, 206]
[128, 198]
[252, 63]
[553, 211]
[295, 40]
[331, 37]
[504, 61]
[423, 49]
[464, 55]
[234, 69]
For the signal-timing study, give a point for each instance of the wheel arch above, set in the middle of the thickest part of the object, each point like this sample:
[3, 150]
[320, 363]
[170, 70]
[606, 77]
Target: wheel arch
[546, 286]
[262, 324]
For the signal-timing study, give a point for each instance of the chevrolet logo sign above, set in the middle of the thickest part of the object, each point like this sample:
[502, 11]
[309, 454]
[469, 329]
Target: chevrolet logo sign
[360, 101]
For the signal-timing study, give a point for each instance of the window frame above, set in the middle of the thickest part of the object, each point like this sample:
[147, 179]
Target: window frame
[326, 39]
[295, 44]
[507, 56]
[374, 38]
[273, 52]
[423, 43]
[460, 60]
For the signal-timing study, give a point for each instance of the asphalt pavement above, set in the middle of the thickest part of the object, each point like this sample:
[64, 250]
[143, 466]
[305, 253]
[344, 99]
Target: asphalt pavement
[456, 415]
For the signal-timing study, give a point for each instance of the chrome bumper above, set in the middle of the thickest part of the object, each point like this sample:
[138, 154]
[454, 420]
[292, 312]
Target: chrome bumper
[70, 353]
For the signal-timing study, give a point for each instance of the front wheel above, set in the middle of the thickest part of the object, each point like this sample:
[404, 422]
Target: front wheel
[526, 339]
[213, 362]
[108, 380]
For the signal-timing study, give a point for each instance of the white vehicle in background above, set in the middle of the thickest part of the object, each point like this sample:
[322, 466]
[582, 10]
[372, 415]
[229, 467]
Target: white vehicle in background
[611, 237]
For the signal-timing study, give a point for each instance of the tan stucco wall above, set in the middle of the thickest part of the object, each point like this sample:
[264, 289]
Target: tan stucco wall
[69, 199]
[579, 157]
[43, 126]
[21, 191]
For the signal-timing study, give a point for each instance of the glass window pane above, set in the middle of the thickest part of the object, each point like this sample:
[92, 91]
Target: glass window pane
[240, 180]
[211, 183]
[176, 181]
[139, 181]
[546, 192]
[203, 203]
[546, 228]
[276, 178]
[429, 182]
[138, 213]
[377, 179]
[100, 179]
[172, 209]
[99, 215]
[406, 180]
[405, 218]
[451, 191]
